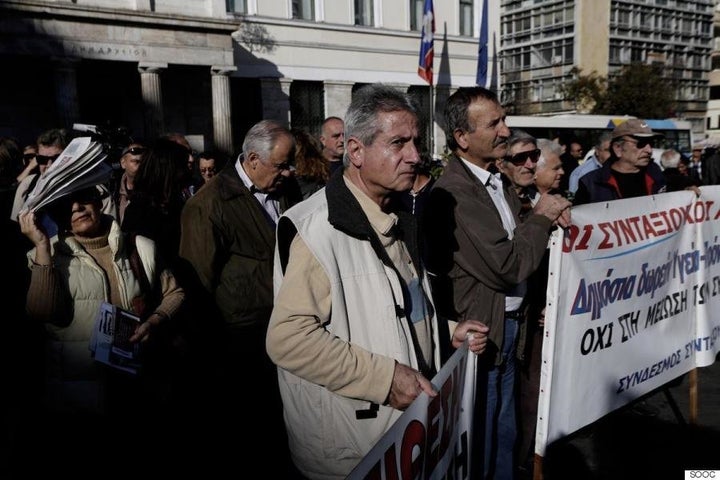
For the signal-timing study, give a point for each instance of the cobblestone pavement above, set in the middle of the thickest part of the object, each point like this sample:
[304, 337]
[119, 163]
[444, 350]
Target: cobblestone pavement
[651, 438]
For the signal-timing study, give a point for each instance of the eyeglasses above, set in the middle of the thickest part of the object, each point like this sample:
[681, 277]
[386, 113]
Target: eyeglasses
[136, 150]
[280, 166]
[642, 142]
[44, 159]
[522, 157]
[28, 156]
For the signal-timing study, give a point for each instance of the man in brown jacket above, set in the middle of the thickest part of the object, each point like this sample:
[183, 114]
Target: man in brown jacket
[481, 255]
[228, 238]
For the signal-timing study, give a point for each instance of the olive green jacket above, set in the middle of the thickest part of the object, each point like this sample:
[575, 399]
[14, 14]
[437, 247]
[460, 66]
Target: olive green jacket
[229, 242]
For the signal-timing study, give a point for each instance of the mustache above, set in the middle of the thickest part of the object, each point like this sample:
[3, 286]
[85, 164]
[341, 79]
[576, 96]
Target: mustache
[500, 141]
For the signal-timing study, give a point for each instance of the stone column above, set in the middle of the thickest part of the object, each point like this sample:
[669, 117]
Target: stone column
[337, 98]
[66, 92]
[152, 97]
[276, 99]
[221, 108]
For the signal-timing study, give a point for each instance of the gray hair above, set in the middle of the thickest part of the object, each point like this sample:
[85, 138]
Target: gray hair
[547, 147]
[520, 137]
[366, 104]
[605, 137]
[670, 158]
[261, 138]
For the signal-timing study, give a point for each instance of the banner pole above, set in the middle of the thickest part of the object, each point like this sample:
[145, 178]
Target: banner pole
[693, 398]
[537, 468]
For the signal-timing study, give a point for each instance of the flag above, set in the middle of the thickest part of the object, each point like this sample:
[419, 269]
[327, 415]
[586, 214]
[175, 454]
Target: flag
[482, 66]
[425, 66]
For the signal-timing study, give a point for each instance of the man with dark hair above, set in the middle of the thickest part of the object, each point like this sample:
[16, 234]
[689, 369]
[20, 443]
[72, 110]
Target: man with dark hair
[601, 152]
[354, 329]
[570, 161]
[50, 145]
[482, 254]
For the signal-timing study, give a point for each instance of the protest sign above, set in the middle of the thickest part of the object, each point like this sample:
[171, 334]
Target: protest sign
[432, 438]
[631, 290]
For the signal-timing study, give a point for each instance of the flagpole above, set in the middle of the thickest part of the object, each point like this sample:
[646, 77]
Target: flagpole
[432, 123]
[425, 64]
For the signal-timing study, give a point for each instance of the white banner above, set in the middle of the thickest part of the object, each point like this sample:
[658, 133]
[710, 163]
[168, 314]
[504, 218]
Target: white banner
[432, 438]
[633, 291]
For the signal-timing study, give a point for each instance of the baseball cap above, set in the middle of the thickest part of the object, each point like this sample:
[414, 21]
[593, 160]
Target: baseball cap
[634, 128]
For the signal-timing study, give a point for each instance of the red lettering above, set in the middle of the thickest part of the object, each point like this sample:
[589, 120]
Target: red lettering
[605, 242]
[435, 415]
[412, 451]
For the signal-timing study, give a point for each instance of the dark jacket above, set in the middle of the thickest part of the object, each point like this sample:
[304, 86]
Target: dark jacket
[470, 253]
[676, 181]
[229, 242]
[711, 167]
[600, 185]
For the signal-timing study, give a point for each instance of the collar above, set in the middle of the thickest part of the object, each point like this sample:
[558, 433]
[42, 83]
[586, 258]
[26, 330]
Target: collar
[486, 177]
[244, 176]
[381, 222]
[347, 215]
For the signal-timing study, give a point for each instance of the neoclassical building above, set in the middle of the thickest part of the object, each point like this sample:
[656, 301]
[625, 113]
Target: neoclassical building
[211, 68]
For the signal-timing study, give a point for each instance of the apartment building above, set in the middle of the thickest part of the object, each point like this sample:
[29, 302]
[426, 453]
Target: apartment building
[212, 68]
[712, 120]
[542, 40]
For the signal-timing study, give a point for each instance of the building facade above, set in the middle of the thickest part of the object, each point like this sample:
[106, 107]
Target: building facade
[712, 121]
[542, 40]
[210, 69]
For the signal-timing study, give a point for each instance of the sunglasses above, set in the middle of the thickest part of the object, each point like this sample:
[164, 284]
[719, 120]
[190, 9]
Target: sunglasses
[44, 159]
[642, 142]
[136, 150]
[28, 156]
[87, 195]
[522, 157]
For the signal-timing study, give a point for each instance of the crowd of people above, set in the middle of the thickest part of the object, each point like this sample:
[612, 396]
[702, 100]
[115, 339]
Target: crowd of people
[315, 283]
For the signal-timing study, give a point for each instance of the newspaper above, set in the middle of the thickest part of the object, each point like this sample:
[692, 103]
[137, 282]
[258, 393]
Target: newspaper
[81, 165]
[110, 339]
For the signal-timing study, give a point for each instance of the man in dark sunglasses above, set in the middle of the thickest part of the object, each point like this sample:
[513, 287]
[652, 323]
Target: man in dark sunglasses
[629, 172]
[519, 166]
[50, 145]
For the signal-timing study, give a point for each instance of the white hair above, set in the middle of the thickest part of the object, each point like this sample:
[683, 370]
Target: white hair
[547, 147]
[670, 158]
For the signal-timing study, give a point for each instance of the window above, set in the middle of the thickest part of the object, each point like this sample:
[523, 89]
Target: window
[466, 17]
[307, 107]
[303, 9]
[364, 12]
[236, 6]
[416, 14]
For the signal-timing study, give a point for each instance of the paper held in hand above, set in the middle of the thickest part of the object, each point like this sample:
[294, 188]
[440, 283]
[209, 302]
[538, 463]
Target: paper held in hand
[81, 165]
[110, 340]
